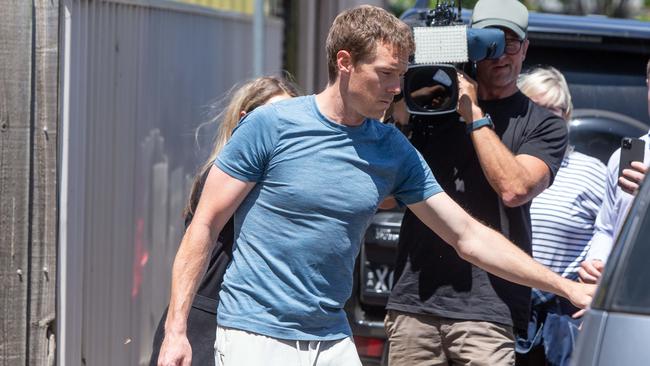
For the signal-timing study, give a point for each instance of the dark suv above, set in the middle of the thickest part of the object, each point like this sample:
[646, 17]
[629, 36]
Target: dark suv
[604, 62]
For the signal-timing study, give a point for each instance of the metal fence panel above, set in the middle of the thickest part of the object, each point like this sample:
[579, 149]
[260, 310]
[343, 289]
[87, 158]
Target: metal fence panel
[137, 77]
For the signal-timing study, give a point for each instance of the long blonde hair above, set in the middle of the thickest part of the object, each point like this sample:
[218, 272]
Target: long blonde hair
[245, 98]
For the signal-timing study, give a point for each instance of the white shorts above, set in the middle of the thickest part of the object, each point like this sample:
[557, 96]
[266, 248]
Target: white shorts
[234, 347]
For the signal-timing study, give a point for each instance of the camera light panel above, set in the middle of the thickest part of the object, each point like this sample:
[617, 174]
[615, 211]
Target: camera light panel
[444, 44]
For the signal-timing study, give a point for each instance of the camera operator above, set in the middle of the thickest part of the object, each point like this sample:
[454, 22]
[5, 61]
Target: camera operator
[442, 309]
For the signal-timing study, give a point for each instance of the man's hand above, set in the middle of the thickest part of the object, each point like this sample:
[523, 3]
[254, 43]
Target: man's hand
[175, 351]
[591, 270]
[467, 98]
[631, 179]
[581, 294]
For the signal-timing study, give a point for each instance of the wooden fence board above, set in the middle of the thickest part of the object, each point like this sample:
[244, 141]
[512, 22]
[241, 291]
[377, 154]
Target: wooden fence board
[42, 295]
[15, 136]
[28, 180]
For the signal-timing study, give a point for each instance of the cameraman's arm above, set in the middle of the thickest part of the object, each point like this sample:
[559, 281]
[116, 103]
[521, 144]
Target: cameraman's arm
[515, 178]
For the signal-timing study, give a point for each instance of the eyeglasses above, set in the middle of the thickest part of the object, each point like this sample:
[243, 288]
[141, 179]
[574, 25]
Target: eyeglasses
[513, 45]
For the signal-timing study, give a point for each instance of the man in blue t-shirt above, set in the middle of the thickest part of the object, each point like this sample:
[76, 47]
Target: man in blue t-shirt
[304, 178]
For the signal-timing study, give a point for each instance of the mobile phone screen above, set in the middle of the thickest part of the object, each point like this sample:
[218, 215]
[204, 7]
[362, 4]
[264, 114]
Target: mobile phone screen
[632, 149]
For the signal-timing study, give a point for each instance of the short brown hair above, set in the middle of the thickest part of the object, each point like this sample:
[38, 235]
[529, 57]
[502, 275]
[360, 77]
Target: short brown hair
[359, 29]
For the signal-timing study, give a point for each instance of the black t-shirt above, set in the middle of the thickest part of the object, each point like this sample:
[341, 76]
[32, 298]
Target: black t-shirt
[430, 277]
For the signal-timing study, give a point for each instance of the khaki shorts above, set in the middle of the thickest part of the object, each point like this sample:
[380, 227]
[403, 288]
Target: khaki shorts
[430, 340]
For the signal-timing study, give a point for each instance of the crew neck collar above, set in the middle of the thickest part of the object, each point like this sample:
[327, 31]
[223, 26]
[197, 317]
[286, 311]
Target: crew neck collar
[516, 96]
[335, 125]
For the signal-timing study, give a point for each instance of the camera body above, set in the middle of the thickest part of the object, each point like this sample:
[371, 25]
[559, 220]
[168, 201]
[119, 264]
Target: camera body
[443, 44]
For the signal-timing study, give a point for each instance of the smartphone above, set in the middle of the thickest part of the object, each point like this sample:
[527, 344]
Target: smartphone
[632, 149]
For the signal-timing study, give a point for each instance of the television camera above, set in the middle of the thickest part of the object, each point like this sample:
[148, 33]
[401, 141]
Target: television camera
[443, 44]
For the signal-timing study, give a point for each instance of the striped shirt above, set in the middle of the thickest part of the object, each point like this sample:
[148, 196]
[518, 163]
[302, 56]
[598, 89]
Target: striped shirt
[563, 215]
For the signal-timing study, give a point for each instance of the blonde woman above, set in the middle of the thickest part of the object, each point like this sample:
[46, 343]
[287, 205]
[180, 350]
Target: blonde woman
[201, 324]
[563, 219]
[547, 87]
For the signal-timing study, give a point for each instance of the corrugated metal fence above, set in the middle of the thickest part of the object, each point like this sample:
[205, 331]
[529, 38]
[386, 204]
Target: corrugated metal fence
[135, 79]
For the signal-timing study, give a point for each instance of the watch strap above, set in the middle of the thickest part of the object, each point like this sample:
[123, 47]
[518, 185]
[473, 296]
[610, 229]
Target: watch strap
[482, 122]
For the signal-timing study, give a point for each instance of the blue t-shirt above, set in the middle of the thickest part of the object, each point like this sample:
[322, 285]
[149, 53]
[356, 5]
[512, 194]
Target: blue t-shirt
[299, 230]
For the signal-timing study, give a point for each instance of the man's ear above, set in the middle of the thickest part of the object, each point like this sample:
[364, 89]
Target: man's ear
[242, 114]
[344, 61]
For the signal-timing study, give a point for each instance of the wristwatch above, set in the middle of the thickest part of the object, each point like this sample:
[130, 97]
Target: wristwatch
[485, 121]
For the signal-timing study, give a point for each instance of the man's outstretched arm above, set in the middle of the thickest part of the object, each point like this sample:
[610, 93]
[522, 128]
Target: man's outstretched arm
[491, 251]
[221, 196]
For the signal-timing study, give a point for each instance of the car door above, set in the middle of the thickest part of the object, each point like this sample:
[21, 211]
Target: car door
[616, 331]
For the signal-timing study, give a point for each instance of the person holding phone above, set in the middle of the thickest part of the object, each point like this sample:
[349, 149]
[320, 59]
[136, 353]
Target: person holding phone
[622, 185]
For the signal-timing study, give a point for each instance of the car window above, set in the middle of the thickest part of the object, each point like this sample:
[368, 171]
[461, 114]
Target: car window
[598, 132]
[616, 82]
[625, 286]
[595, 143]
[633, 294]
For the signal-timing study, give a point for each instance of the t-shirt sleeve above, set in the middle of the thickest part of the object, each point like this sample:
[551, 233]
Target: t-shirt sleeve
[547, 141]
[415, 181]
[247, 153]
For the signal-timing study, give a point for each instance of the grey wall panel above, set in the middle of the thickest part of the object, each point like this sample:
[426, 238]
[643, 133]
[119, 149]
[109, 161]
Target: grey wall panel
[136, 79]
